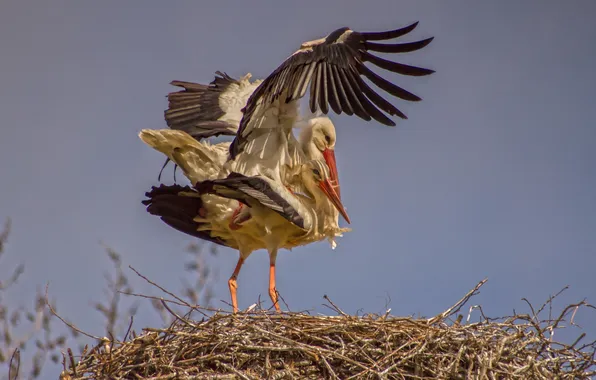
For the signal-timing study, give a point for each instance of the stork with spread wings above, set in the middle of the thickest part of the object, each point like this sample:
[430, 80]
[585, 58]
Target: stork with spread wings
[286, 182]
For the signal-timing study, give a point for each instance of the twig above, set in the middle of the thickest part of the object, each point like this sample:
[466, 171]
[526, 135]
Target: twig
[73, 327]
[183, 320]
[457, 306]
[335, 307]
[14, 365]
[73, 365]
[161, 288]
[129, 328]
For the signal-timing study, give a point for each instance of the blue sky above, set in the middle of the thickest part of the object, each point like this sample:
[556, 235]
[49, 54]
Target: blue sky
[493, 175]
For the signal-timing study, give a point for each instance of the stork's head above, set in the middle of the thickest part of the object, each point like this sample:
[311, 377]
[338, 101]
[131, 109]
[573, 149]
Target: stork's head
[317, 179]
[318, 141]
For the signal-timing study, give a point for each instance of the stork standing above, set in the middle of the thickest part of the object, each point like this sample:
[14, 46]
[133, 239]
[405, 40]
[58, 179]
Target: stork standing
[264, 146]
[275, 217]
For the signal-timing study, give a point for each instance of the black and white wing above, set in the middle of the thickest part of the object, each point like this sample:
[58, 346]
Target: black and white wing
[205, 111]
[215, 109]
[251, 191]
[333, 68]
[178, 207]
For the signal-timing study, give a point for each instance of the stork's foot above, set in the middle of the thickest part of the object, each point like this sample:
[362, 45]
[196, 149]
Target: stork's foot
[275, 298]
[237, 218]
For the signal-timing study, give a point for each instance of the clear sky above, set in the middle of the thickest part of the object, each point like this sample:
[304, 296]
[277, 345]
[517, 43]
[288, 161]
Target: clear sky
[493, 175]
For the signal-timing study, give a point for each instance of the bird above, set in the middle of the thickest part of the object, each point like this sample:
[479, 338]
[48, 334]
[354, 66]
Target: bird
[333, 69]
[262, 113]
[265, 112]
[206, 111]
[275, 218]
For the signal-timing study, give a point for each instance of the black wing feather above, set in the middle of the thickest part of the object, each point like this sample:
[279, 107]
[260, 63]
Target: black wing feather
[252, 188]
[333, 69]
[395, 67]
[398, 48]
[371, 110]
[346, 106]
[315, 88]
[196, 102]
[179, 211]
[378, 100]
[323, 95]
[376, 36]
[388, 86]
[332, 91]
[352, 97]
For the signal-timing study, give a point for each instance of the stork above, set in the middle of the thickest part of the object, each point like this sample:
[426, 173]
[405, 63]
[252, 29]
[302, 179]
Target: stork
[277, 217]
[206, 111]
[262, 118]
[262, 113]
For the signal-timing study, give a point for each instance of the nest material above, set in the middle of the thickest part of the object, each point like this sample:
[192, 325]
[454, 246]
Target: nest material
[261, 345]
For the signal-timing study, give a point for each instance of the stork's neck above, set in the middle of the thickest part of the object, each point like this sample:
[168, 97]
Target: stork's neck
[323, 205]
[326, 214]
[306, 141]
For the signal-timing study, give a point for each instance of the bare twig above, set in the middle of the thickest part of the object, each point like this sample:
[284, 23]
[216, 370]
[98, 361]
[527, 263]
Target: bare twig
[70, 325]
[15, 365]
[334, 306]
[183, 302]
[457, 306]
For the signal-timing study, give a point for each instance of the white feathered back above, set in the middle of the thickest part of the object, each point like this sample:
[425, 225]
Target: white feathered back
[199, 160]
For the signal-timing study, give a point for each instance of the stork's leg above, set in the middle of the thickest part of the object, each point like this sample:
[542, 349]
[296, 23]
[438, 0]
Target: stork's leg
[272, 289]
[233, 285]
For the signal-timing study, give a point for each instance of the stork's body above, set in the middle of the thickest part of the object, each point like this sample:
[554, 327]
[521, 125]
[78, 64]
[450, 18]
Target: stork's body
[275, 217]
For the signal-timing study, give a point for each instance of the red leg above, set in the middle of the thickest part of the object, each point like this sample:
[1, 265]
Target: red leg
[233, 285]
[272, 289]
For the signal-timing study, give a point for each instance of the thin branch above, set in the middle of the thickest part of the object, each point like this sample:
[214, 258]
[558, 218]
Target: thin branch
[72, 327]
[458, 305]
[334, 306]
[161, 288]
[15, 365]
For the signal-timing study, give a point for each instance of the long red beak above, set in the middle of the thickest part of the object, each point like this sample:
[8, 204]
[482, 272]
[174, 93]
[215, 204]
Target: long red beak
[329, 156]
[330, 192]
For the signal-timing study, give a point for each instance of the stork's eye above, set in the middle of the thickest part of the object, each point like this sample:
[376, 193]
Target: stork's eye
[328, 139]
[316, 172]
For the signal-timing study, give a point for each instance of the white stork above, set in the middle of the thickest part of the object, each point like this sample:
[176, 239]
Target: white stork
[264, 146]
[206, 111]
[262, 113]
[276, 218]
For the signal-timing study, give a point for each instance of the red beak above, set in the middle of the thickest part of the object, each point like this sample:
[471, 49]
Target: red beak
[329, 156]
[330, 192]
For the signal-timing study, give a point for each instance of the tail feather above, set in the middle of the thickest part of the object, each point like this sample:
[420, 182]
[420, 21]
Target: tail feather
[198, 160]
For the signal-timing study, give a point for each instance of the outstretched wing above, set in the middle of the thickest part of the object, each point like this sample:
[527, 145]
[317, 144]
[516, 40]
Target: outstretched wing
[333, 67]
[205, 111]
[215, 109]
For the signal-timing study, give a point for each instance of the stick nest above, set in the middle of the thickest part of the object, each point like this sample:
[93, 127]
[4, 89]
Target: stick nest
[261, 345]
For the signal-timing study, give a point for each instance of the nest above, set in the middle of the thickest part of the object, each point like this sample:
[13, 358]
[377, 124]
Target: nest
[262, 345]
